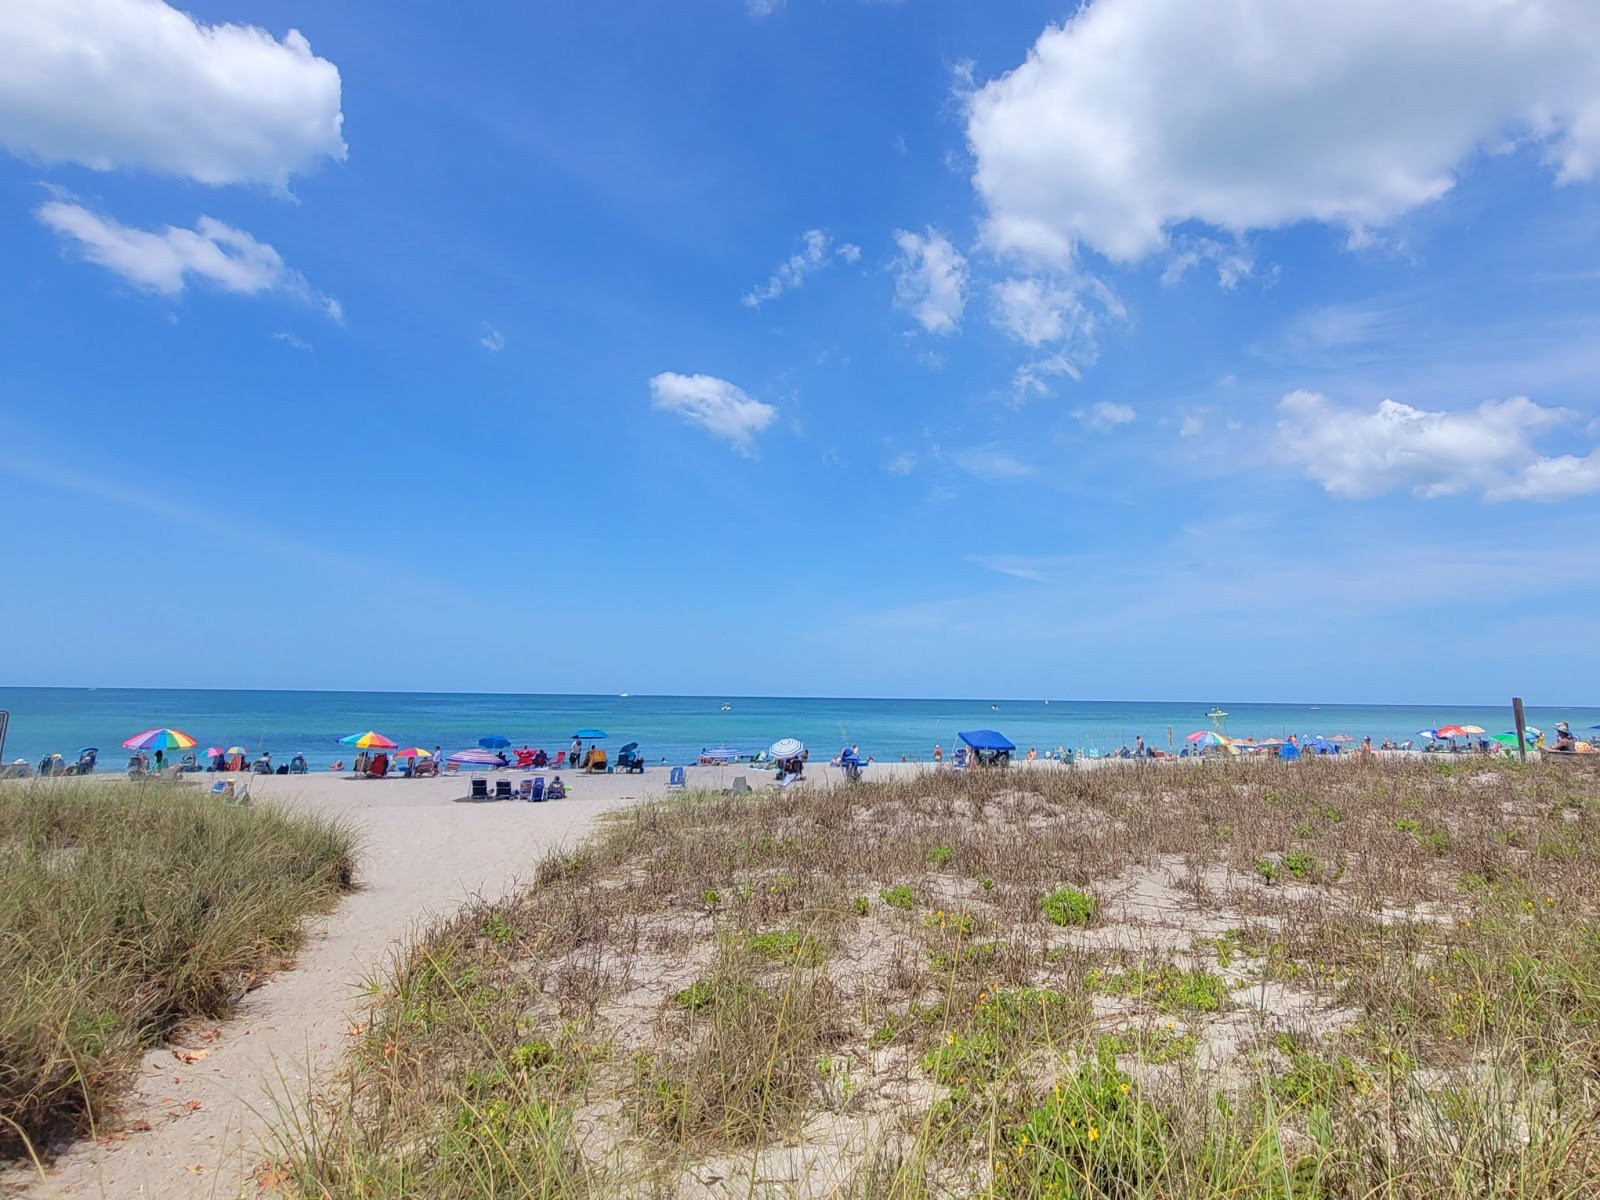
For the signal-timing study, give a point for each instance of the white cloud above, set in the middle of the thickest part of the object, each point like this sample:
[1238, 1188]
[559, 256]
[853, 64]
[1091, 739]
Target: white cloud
[1104, 416]
[1035, 312]
[1233, 263]
[815, 253]
[293, 342]
[492, 340]
[164, 260]
[989, 462]
[901, 464]
[930, 279]
[1135, 116]
[136, 83]
[762, 8]
[1032, 378]
[1488, 449]
[715, 405]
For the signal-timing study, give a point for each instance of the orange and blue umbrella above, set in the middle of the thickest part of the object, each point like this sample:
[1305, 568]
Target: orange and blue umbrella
[160, 739]
[413, 752]
[367, 741]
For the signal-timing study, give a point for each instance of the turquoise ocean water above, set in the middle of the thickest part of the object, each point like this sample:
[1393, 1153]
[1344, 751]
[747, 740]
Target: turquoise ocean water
[674, 728]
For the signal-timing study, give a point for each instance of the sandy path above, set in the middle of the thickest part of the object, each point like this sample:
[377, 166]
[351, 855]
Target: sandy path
[424, 853]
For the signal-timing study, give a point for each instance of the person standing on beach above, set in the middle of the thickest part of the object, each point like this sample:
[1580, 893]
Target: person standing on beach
[938, 754]
[575, 752]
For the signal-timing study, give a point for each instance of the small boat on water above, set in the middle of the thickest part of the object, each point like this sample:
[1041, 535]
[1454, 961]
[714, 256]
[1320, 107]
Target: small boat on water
[622, 695]
[727, 708]
[1215, 713]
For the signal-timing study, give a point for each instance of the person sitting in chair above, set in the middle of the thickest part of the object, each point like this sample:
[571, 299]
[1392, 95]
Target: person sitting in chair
[1565, 742]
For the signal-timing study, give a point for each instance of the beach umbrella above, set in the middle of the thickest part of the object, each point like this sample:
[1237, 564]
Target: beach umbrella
[473, 758]
[213, 751]
[367, 741]
[1428, 733]
[160, 739]
[1451, 731]
[590, 735]
[1508, 738]
[1207, 737]
[786, 748]
[494, 741]
[413, 752]
[987, 739]
[1472, 729]
[726, 753]
[1345, 737]
[232, 750]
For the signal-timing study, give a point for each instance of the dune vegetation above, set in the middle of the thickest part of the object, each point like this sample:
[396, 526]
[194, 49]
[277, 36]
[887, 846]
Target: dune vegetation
[1248, 980]
[125, 911]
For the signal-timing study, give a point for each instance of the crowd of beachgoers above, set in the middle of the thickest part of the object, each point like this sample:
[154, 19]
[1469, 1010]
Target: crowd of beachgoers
[172, 752]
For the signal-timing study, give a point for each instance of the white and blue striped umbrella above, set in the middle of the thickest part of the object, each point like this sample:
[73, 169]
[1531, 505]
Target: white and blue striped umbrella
[787, 748]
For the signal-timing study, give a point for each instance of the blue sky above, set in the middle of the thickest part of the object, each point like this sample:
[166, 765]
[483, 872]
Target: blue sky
[817, 347]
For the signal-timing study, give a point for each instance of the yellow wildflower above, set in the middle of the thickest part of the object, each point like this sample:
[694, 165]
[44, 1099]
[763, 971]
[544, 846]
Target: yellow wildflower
[1126, 1088]
[1093, 1133]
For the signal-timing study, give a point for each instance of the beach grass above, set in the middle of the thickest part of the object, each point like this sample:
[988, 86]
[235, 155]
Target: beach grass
[127, 909]
[1251, 981]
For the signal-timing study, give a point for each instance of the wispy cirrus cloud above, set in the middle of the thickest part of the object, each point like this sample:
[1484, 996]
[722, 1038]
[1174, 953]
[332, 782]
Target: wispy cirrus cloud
[817, 251]
[166, 260]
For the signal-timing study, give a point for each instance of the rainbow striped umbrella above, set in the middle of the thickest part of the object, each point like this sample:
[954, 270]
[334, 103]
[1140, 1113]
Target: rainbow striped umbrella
[1206, 737]
[367, 741]
[160, 739]
[414, 752]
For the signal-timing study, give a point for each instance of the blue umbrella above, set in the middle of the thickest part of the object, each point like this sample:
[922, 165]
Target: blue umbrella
[1428, 733]
[589, 735]
[987, 739]
[495, 741]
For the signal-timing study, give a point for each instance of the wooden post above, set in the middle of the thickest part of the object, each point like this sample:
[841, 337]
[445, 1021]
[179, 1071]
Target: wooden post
[1522, 727]
[5, 720]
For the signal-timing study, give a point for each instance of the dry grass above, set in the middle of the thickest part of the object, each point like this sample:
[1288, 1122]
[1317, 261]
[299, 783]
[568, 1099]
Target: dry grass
[1232, 980]
[125, 910]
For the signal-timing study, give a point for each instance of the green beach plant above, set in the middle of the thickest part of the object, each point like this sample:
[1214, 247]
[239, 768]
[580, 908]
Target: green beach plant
[127, 910]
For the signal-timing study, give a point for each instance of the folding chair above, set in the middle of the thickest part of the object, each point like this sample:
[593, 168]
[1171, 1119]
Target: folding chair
[480, 789]
[677, 778]
[502, 789]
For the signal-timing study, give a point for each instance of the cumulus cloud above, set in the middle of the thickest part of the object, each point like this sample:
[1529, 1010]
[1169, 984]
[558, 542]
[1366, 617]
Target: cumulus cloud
[1489, 449]
[902, 464]
[815, 253]
[492, 340]
[136, 83]
[930, 279]
[1135, 116]
[717, 406]
[165, 260]
[1034, 311]
[292, 341]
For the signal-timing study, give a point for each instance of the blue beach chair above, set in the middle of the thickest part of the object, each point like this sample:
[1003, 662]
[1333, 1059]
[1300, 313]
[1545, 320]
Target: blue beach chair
[536, 791]
[677, 778]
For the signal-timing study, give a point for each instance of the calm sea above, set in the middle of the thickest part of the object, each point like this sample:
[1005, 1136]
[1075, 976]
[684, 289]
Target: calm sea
[673, 729]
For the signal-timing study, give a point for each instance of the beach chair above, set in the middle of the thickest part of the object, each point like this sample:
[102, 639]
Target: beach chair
[502, 789]
[561, 760]
[222, 789]
[677, 778]
[524, 790]
[480, 789]
[557, 790]
[536, 789]
[741, 785]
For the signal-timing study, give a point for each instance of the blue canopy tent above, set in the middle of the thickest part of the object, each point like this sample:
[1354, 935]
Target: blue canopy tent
[987, 747]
